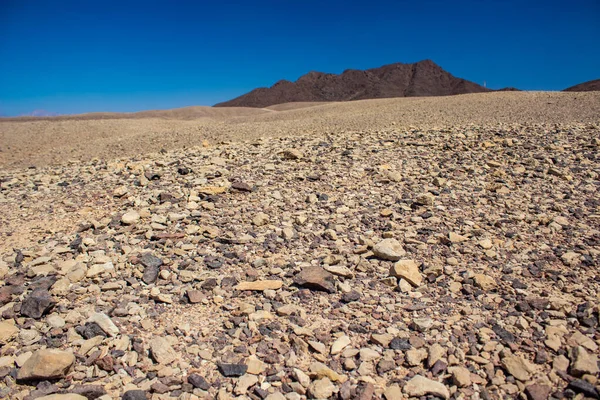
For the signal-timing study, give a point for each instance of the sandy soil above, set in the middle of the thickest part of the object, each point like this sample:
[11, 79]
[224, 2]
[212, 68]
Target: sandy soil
[58, 140]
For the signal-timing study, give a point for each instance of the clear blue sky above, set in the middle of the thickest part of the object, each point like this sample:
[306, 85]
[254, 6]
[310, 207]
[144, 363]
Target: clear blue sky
[85, 55]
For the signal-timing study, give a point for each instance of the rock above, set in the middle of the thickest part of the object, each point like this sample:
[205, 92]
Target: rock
[319, 370]
[232, 369]
[484, 282]
[198, 381]
[152, 266]
[421, 324]
[244, 383]
[383, 340]
[456, 238]
[315, 278]
[255, 366]
[161, 351]
[518, 367]
[425, 199]
[134, 395]
[130, 218]
[46, 364]
[538, 392]
[7, 332]
[195, 296]
[322, 389]
[339, 344]
[393, 392]
[105, 323]
[260, 285]
[67, 396]
[37, 304]
[389, 249]
[583, 363]
[260, 219]
[292, 154]
[420, 386]
[408, 270]
[461, 376]
[586, 388]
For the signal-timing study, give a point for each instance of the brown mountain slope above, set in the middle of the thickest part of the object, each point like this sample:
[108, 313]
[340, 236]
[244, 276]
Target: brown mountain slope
[585, 86]
[424, 78]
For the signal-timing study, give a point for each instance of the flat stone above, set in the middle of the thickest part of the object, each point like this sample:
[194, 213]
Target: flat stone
[538, 392]
[105, 323]
[232, 369]
[583, 362]
[408, 270]
[134, 395]
[260, 285]
[37, 304]
[393, 392]
[339, 344]
[461, 376]
[67, 396]
[7, 332]
[484, 282]
[322, 388]
[315, 278]
[130, 217]
[161, 351]
[420, 386]
[319, 370]
[46, 364]
[518, 367]
[245, 382]
[389, 249]
[198, 381]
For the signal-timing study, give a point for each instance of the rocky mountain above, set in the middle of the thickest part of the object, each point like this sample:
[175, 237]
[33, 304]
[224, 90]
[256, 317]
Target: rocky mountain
[585, 86]
[424, 78]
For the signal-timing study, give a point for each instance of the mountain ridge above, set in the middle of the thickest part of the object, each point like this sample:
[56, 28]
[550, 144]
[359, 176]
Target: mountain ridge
[423, 78]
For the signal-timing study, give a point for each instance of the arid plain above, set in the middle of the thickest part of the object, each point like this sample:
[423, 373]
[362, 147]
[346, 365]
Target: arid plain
[396, 248]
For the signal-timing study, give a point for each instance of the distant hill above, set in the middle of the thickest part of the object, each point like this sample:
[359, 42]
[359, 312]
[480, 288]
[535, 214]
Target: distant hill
[585, 86]
[424, 78]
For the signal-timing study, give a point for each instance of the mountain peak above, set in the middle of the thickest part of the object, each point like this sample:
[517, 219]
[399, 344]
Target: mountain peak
[423, 78]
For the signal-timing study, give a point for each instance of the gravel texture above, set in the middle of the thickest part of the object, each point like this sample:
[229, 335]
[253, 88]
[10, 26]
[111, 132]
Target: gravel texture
[457, 258]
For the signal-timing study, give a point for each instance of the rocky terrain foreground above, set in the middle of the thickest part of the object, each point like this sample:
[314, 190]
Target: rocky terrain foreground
[457, 262]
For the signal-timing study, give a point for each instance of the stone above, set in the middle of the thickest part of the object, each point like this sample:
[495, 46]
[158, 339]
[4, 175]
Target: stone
[260, 285]
[320, 370]
[195, 296]
[260, 219]
[484, 282]
[134, 395]
[255, 365]
[322, 388]
[130, 218]
[420, 386]
[538, 392]
[586, 388]
[7, 332]
[461, 376]
[105, 323]
[456, 238]
[393, 392]
[66, 396]
[383, 339]
[583, 363]
[518, 367]
[161, 351]
[152, 266]
[46, 364]
[292, 154]
[315, 278]
[198, 381]
[408, 270]
[244, 383]
[339, 344]
[389, 249]
[232, 369]
[37, 304]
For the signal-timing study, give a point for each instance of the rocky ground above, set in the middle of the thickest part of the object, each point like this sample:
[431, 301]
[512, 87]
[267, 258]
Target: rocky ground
[458, 262]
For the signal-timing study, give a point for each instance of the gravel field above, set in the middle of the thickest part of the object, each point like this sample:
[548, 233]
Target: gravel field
[422, 248]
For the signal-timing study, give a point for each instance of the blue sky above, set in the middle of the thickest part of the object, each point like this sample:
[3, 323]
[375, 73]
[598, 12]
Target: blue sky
[82, 56]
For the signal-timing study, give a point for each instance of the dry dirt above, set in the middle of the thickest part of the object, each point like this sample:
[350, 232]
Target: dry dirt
[404, 248]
